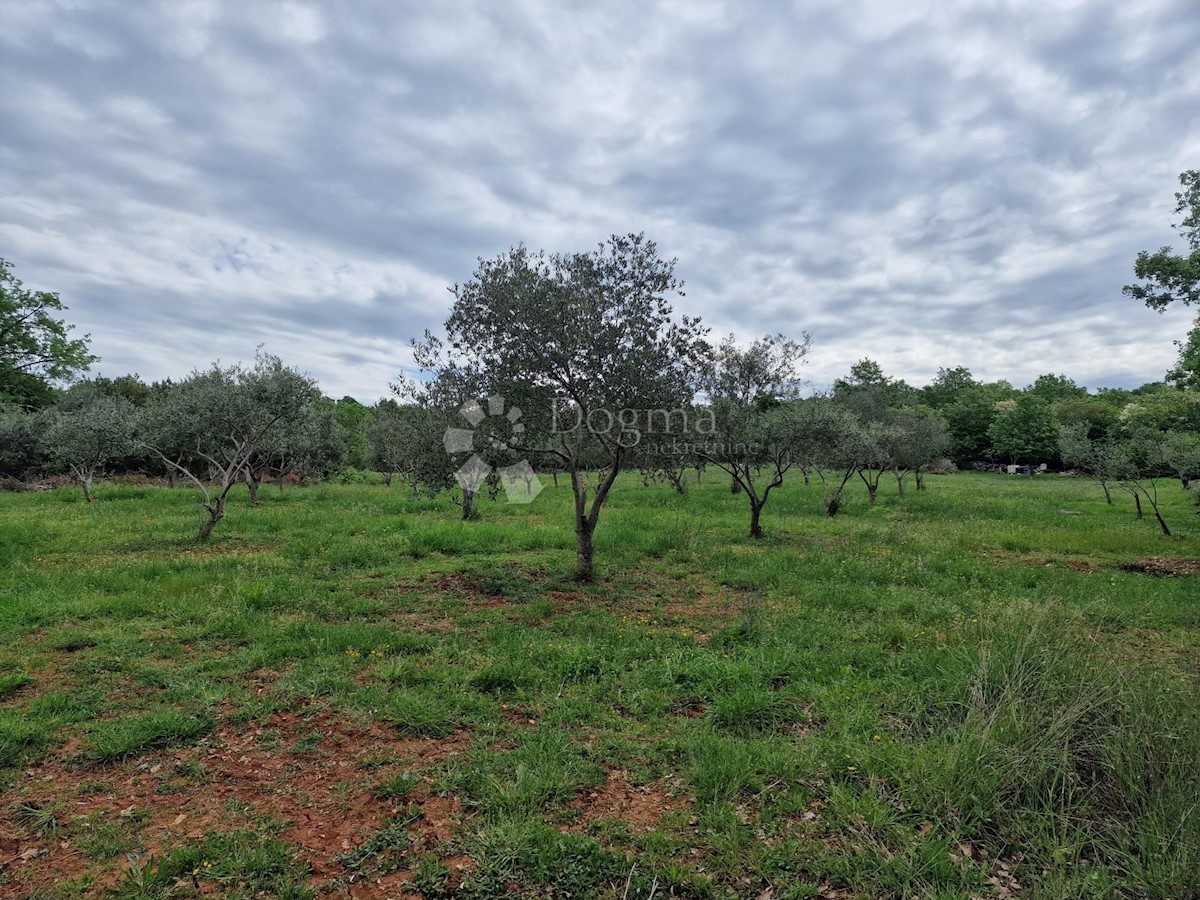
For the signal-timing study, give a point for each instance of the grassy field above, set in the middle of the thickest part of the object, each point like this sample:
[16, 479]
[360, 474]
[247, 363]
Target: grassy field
[965, 693]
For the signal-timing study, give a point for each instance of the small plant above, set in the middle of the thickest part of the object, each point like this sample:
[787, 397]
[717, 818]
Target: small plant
[12, 682]
[124, 737]
[386, 850]
[430, 877]
[37, 817]
[397, 786]
[142, 875]
[309, 743]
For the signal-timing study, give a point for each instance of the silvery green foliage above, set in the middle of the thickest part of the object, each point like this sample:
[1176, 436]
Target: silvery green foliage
[922, 441]
[88, 430]
[1133, 464]
[1181, 453]
[21, 450]
[211, 426]
[754, 415]
[406, 440]
[310, 444]
[587, 333]
[832, 442]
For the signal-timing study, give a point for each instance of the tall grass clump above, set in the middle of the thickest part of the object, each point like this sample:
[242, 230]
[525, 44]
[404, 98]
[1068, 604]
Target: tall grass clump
[1049, 749]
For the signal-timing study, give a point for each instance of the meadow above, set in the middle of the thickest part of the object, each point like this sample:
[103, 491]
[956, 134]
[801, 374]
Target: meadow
[985, 689]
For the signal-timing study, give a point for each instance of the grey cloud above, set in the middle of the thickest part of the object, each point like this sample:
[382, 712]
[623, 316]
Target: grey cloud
[921, 184]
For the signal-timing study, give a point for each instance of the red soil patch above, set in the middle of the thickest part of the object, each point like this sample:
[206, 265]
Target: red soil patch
[639, 807]
[325, 797]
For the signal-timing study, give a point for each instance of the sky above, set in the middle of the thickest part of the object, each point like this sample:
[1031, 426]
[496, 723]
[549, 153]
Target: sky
[922, 183]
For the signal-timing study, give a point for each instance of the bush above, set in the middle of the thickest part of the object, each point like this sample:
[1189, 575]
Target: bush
[351, 475]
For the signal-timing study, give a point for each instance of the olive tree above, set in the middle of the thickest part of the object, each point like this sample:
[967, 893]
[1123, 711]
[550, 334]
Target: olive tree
[1181, 453]
[831, 444]
[755, 427]
[21, 449]
[211, 426]
[592, 334]
[309, 444]
[1098, 458]
[86, 431]
[923, 439]
[1133, 465]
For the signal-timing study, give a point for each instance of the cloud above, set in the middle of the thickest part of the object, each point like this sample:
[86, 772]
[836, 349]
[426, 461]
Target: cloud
[924, 185]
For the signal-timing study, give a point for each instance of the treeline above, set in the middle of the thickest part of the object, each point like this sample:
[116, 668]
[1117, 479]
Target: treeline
[577, 364]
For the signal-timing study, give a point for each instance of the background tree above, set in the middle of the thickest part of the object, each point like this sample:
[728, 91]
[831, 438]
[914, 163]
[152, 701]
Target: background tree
[130, 387]
[22, 452]
[35, 346]
[755, 428]
[1054, 388]
[594, 332]
[1185, 374]
[970, 416]
[212, 425]
[88, 430]
[1099, 415]
[1025, 433]
[353, 420]
[1163, 276]
[867, 377]
[831, 443]
[947, 387]
[1181, 453]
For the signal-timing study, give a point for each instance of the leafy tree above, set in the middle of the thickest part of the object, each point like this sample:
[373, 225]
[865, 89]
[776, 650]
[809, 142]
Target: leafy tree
[1181, 453]
[130, 387]
[947, 387]
[1185, 374]
[970, 417]
[1161, 410]
[307, 444]
[354, 421]
[867, 377]
[1163, 276]
[212, 425]
[1099, 415]
[87, 431]
[921, 441]
[595, 333]
[1026, 433]
[1097, 456]
[21, 449]
[35, 346]
[1133, 464]
[831, 443]
[755, 427]
[406, 440]
[878, 443]
[1142, 460]
[1053, 388]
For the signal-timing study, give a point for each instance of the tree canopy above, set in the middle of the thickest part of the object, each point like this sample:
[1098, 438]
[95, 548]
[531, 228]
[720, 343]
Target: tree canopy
[35, 345]
[1164, 276]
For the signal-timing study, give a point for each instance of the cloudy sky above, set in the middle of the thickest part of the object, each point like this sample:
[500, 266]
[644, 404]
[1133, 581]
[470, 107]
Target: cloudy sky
[923, 187]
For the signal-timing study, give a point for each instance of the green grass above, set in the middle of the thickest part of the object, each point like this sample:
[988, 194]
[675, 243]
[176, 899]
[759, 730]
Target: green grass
[946, 695]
